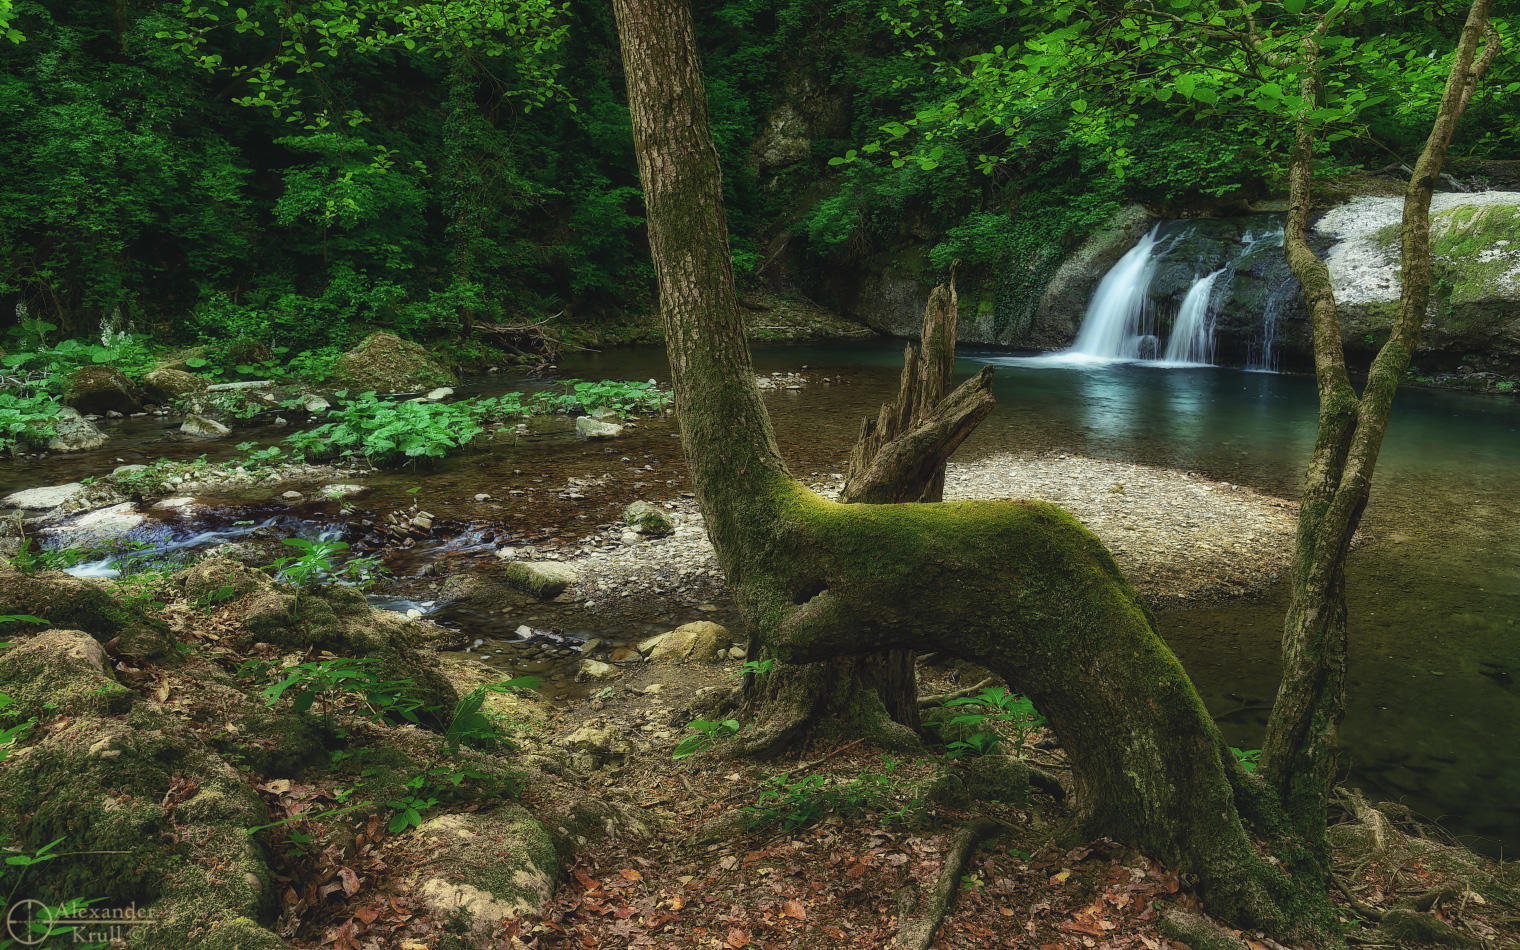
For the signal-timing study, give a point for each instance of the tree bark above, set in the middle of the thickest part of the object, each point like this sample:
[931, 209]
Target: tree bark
[899, 458]
[1299, 751]
[1019, 587]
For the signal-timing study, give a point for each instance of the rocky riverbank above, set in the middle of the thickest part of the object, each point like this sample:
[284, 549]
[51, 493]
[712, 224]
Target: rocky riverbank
[1182, 539]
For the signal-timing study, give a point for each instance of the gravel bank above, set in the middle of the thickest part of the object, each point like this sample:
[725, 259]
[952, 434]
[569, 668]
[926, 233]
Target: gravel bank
[1183, 540]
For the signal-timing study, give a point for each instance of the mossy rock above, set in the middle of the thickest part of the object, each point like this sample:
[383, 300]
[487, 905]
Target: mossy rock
[544, 579]
[647, 519]
[82, 604]
[166, 385]
[218, 579]
[982, 778]
[701, 640]
[101, 389]
[60, 673]
[386, 363]
[489, 866]
[161, 822]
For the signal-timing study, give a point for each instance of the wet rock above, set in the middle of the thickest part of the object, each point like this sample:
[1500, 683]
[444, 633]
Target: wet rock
[41, 499]
[386, 363]
[101, 389]
[74, 433]
[291, 496]
[590, 669]
[592, 429]
[439, 394]
[646, 519]
[484, 588]
[316, 404]
[105, 524]
[337, 491]
[701, 640]
[199, 427]
[487, 867]
[166, 385]
[544, 579]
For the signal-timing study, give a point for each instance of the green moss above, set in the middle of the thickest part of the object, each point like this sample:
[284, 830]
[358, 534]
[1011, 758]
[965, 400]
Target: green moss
[59, 672]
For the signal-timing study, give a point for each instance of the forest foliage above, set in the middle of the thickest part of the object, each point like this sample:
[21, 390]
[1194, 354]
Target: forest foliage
[299, 174]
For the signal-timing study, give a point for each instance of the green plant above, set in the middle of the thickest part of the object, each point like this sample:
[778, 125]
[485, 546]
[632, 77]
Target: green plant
[993, 706]
[26, 421]
[706, 733]
[755, 668]
[796, 803]
[1249, 759]
[316, 563]
[322, 679]
[386, 433]
[470, 724]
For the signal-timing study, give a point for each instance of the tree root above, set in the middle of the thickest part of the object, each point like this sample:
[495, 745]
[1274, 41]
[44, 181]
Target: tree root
[940, 699]
[917, 932]
[1198, 932]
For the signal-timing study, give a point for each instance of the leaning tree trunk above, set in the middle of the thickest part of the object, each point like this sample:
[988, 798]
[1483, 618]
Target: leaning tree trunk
[1019, 587]
[1298, 754]
[899, 458]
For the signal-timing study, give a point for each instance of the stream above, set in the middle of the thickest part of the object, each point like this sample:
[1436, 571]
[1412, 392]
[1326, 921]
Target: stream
[1434, 718]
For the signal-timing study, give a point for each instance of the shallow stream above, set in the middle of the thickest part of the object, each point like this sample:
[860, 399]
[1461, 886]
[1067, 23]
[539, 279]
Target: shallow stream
[1434, 716]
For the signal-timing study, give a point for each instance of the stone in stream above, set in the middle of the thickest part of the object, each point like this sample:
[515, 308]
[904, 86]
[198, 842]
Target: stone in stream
[74, 433]
[199, 427]
[41, 499]
[647, 519]
[544, 579]
[106, 524]
[101, 389]
[165, 385]
[593, 429]
[700, 640]
[439, 394]
[316, 404]
[596, 670]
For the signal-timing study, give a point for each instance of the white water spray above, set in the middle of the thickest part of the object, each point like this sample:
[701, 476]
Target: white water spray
[1192, 339]
[1115, 326]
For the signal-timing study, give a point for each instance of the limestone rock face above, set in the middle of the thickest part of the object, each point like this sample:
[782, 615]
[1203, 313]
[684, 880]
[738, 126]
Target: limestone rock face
[74, 433]
[386, 363]
[101, 389]
[701, 640]
[165, 385]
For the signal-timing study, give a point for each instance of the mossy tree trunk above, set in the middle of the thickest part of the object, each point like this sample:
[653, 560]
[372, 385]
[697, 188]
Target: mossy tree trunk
[464, 194]
[899, 458]
[1019, 587]
[1298, 754]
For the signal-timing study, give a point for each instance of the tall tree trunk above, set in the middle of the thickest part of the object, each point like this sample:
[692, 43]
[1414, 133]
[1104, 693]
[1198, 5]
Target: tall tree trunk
[465, 185]
[899, 458]
[1298, 754]
[1019, 587]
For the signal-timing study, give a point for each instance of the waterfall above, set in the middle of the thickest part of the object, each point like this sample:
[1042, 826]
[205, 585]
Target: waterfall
[1192, 339]
[1117, 323]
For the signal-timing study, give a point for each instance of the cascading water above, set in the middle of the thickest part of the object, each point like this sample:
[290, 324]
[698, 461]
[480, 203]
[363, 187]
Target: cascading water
[1192, 337]
[1120, 318]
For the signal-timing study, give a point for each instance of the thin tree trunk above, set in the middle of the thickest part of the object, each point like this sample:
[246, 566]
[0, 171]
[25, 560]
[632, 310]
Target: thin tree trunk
[1298, 754]
[1019, 587]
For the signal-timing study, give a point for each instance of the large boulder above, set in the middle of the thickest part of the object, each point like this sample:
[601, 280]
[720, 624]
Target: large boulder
[101, 389]
[81, 604]
[386, 363]
[700, 640]
[165, 385]
[74, 433]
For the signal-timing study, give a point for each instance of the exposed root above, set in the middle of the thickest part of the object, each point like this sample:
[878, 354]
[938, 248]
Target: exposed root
[1198, 932]
[917, 932]
[939, 699]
